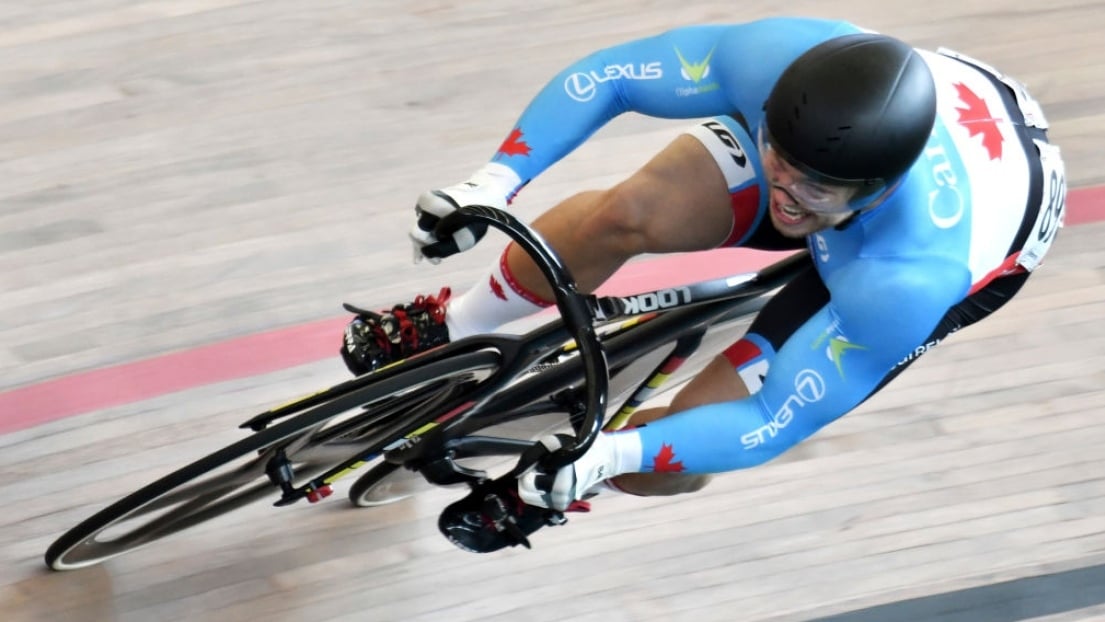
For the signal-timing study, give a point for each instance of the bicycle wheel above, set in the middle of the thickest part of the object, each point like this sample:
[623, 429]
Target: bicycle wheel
[236, 475]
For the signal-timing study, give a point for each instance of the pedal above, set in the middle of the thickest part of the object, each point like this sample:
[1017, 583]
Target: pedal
[318, 494]
[493, 517]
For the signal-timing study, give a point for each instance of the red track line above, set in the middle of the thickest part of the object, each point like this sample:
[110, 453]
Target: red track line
[279, 349]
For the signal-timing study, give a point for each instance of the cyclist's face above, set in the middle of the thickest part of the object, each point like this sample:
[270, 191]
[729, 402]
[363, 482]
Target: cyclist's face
[801, 206]
[791, 216]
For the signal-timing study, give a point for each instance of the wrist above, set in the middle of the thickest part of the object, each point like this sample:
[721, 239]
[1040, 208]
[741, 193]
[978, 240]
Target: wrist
[499, 178]
[625, 452]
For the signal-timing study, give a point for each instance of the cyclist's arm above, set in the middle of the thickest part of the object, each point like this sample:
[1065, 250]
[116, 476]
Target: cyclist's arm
[694, 71]
[825, 369]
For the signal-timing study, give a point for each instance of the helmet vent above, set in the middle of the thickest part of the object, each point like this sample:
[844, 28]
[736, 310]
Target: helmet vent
[872, 105]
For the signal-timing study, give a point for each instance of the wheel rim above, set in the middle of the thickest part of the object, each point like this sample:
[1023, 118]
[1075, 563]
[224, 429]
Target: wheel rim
[226, 489]
[242, 480]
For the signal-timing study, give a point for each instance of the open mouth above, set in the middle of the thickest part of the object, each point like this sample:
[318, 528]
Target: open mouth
[789, 215]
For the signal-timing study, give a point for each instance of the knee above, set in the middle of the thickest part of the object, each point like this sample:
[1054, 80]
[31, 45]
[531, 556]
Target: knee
[660, 484]
[691, 483]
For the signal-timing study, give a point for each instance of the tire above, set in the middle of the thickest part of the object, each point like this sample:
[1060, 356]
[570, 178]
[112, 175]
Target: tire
[385, 483]
[313, 441]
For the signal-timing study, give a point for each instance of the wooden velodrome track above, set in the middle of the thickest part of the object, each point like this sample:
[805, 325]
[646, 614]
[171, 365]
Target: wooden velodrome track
[177, 174]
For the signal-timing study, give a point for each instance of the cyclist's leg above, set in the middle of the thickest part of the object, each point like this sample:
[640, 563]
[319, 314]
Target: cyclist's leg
[678, 201]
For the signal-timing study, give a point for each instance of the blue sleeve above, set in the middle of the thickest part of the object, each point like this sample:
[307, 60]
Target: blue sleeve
[838, 358]
[694, 71]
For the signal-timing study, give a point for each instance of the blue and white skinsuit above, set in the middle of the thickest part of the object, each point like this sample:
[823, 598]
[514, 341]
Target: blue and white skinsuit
[975, 214]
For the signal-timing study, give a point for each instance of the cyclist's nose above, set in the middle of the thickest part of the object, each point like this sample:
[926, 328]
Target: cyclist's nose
[775, 172]
[781, 197]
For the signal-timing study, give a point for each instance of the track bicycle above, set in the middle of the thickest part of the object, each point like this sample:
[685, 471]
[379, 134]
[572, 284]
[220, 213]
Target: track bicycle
[591, 367]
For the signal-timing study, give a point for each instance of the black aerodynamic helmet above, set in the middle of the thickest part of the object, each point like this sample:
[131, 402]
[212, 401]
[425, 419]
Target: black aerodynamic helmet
[856, 109]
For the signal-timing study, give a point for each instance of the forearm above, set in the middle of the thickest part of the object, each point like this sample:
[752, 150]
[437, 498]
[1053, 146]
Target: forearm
[719, 437]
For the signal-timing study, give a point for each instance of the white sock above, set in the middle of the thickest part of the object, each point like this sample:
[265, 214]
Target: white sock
[495, 300]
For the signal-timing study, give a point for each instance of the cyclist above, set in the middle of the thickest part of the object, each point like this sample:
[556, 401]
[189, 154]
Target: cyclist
[922, 183]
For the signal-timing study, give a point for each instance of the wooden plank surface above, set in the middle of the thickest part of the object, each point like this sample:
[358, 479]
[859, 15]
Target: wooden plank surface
[176, 173]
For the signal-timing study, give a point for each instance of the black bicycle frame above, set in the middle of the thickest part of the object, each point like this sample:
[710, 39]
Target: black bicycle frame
[493, 402]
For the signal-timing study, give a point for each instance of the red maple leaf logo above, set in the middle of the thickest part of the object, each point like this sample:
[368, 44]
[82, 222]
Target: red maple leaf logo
[977, 119]
[497, 288]
[514, 145]
[662, 462]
